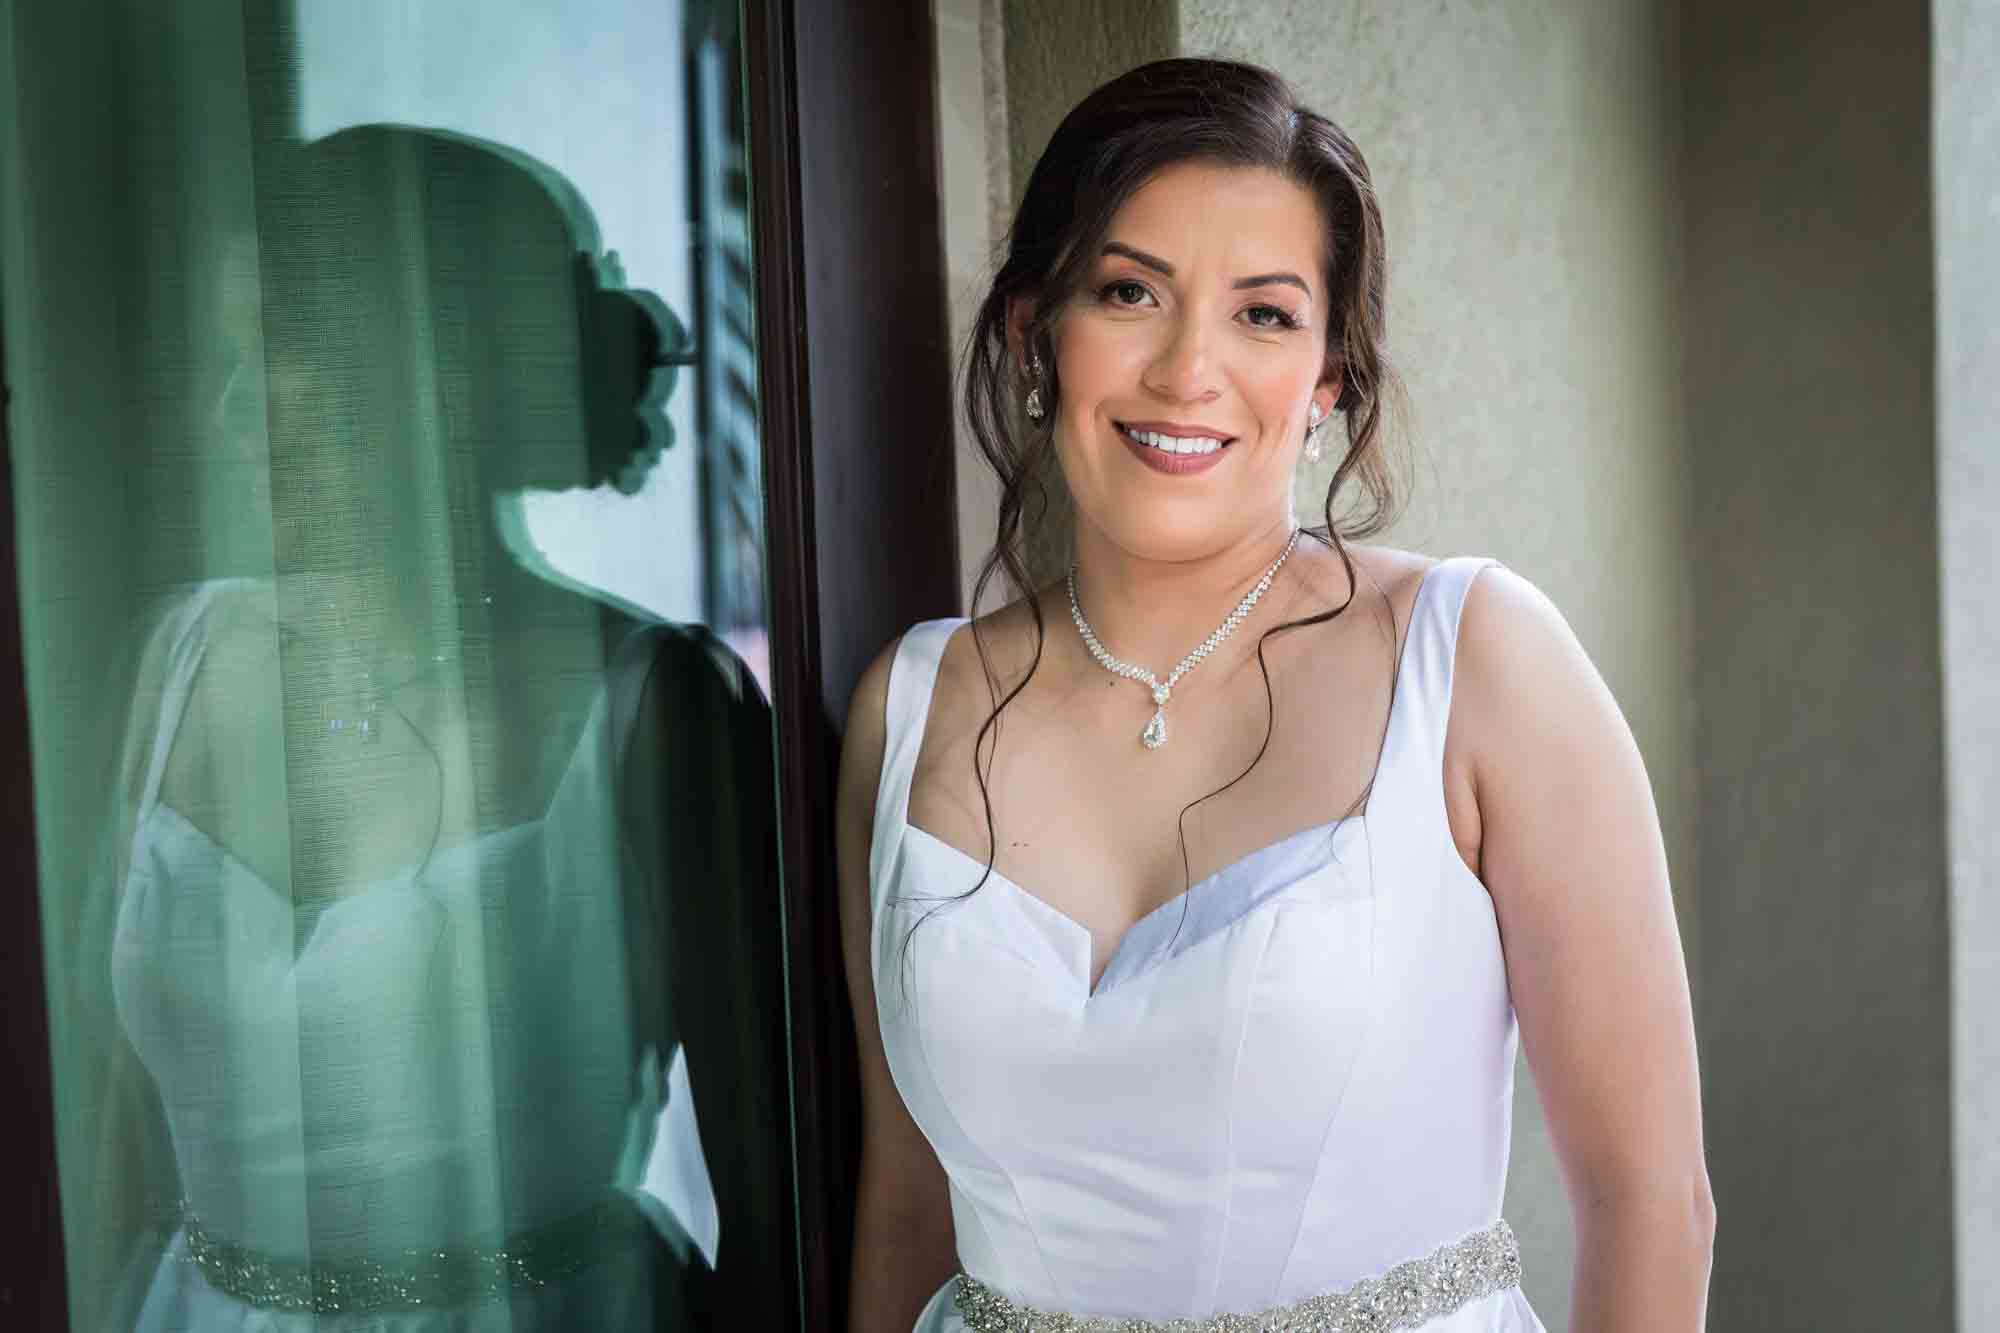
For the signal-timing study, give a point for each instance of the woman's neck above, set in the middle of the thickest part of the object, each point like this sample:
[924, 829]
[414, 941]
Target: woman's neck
[1152, 613]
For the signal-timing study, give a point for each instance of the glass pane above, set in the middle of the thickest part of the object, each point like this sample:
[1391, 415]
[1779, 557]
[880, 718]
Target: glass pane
[390, 536]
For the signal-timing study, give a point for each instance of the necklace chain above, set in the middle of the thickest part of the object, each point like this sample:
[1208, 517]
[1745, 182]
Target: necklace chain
[1155, 734]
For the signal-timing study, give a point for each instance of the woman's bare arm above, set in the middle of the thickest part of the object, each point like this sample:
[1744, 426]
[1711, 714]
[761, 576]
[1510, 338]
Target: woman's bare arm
[1570, 850]
[903, 1243]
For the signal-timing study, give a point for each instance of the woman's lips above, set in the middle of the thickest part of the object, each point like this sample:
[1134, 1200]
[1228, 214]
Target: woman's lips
[1172, 464]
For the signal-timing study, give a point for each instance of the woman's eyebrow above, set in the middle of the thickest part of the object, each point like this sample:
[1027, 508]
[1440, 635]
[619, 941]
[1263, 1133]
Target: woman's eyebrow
[1272, 279]
[1153, 262]
[1162, 267]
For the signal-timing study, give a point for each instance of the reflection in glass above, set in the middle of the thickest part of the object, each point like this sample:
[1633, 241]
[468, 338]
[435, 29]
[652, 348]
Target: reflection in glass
[408, 842]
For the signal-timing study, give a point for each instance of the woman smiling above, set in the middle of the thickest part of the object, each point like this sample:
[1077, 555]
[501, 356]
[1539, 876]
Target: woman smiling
[1194, 903]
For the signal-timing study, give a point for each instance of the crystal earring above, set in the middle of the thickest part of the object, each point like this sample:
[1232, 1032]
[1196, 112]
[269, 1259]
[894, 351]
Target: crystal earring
[1035, 409]
[1313, 428]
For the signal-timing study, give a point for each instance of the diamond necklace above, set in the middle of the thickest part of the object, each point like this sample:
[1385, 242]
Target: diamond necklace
[1155, 734]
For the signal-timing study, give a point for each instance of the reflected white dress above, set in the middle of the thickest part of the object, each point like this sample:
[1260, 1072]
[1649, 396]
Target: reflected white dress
[1301, 1085]
[443, 1059]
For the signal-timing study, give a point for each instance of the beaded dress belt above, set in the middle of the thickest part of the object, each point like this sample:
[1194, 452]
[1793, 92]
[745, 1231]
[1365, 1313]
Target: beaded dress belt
[1407, 1296]
[415, 1279]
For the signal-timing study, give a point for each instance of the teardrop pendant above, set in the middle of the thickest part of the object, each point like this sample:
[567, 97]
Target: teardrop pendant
[1155, 734]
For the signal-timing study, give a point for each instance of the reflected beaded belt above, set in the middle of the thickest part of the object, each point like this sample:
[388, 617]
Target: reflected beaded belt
[1407, 1296]
[417, 1279]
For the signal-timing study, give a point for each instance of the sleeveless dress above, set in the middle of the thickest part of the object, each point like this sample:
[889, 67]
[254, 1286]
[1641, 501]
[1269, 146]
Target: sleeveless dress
[439, 1064]
[1293, 1080]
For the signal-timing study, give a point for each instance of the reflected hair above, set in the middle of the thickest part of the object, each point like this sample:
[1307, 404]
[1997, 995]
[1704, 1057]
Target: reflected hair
[1160, 115]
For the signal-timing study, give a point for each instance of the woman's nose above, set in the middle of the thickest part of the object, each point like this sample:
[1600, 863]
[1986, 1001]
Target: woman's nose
[1181, 369]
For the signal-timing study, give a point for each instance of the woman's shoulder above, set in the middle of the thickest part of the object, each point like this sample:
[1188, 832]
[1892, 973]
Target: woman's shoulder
[1388, 571]
[1518, 667]
[866, 727]
[997, 649]
[869, 698]
[1381, 587]
[1502, 616]
[1499, 600]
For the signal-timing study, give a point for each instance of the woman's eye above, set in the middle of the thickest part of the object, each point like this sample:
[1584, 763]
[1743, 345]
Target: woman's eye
[1125, 292]
[1271, 317]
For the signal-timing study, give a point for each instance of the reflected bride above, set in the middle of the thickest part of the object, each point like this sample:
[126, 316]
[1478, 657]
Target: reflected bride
[433, 867]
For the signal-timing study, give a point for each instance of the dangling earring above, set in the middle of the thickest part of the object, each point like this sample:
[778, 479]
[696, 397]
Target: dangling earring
[1035, 409]
[1313, 428]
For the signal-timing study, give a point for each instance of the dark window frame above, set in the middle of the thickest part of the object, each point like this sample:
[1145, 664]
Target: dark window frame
[861, 511]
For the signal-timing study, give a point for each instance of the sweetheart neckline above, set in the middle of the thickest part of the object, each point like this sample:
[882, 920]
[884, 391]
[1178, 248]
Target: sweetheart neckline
[1330, 829]
[410, 878]
[1384, 753]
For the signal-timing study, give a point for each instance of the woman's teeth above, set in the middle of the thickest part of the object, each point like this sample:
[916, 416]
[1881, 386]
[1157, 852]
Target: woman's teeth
[1174, 444]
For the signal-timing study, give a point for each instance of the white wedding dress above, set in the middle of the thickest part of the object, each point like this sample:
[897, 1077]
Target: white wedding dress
[1298, 1087]
[417, 1108]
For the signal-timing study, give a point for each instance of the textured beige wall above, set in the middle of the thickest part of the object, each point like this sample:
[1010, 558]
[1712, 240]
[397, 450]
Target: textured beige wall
[1824, 991]
[975, 190]
[1965, 45]
[1058, 50]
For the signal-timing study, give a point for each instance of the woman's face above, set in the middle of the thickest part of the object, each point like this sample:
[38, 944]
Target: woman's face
[1190, 361]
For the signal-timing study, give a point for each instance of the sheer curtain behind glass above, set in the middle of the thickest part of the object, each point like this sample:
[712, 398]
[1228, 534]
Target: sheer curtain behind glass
[399, 888]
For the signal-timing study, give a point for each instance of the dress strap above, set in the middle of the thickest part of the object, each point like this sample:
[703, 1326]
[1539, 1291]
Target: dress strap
[1413, 757]
[185, 630]
[913, 673]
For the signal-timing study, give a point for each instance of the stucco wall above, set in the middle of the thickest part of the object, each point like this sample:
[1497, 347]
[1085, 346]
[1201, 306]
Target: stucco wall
[1058, 50]
[1824, 991]
[1966, 134]
[975, 191]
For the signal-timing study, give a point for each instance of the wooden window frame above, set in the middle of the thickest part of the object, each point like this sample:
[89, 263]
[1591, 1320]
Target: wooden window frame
[861, 509]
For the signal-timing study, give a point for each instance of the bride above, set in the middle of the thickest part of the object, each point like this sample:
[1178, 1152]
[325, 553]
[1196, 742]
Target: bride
[1189, 901]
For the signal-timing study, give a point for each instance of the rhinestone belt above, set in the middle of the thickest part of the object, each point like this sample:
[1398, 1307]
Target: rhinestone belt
[416, 1278]
[1407, 1296]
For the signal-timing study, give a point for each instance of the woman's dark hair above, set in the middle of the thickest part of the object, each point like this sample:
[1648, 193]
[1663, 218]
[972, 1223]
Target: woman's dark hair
[1119, 137]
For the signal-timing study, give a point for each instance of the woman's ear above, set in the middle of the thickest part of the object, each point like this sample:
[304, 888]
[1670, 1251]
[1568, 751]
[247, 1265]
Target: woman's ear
[1328, 393]
[1020, 314]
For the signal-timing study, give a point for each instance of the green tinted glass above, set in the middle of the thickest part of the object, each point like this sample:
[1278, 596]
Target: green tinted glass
[392, 574]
